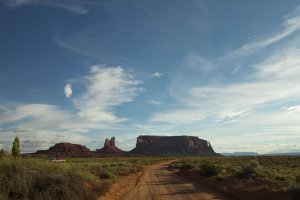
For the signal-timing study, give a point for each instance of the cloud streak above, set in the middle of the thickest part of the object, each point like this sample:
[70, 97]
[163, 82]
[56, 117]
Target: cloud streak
[68, 5]
[290, 25]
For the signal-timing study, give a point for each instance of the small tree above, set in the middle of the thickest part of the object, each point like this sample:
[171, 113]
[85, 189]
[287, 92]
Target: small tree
[16, 148]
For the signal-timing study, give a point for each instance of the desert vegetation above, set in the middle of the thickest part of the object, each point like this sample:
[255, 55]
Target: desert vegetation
[238, 176]
[77, 178]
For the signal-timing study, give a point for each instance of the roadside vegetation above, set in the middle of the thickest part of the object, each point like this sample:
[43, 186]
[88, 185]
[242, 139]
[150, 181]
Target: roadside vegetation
[77, 178]
[276, 175]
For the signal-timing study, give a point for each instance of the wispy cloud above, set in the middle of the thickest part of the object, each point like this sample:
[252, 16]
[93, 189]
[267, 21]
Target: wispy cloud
[106, 88]
[291, 25]
[194, 61]
[36, 111]
[254, 91]
[68, 90]
[278, 71]
[71, 6]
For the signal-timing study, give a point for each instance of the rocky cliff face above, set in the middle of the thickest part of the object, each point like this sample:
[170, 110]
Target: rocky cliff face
[66, 150]
[109, 147]
[172, 145]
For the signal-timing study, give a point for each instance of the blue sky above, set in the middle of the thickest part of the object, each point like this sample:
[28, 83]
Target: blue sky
[81, 71]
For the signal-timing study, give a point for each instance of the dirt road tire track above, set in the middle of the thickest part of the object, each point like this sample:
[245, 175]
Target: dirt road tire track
[157, 183]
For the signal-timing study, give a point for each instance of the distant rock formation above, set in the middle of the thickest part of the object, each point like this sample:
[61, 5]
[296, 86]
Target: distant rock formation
[66, 150]
[172, 145]
[110, 147]
[145, 145]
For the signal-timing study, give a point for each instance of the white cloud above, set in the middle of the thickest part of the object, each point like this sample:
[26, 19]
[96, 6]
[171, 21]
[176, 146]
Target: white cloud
[154, 102]
[106, 88]
[33, 117]
[42, 125]
[68, 5]
[282, 65]
[292, 109]
[156, 74]
[68, 90]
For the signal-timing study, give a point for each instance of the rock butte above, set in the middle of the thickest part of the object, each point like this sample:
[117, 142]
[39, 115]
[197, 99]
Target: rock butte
[110, 147]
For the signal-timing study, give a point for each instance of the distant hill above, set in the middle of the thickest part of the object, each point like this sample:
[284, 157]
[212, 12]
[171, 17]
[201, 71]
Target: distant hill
[283, 154]
[241, 154]
[257, 154]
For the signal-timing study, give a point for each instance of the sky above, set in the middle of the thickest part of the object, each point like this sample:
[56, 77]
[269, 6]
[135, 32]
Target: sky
[80, 71]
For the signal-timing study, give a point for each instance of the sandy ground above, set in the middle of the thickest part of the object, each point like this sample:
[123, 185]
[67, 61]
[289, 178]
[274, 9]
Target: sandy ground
[156, 183]
[122, 187]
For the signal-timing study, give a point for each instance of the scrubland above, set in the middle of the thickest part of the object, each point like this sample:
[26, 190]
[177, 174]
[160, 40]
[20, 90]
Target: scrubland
[88, 178]
[77, 178]
[245, 177]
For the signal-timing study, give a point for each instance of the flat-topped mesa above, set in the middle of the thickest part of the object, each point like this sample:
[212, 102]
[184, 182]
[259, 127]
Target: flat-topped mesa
[66, 150]
[110, 147]
[172, 145]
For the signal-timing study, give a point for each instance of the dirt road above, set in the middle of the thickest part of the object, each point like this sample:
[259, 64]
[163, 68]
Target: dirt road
[158, 183]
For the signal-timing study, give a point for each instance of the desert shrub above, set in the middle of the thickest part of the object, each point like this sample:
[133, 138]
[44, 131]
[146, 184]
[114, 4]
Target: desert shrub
[174, 165]
[58, 186]
[37, 179]
[187, 166]
[102, 172]
[251, 170]
[280, 177]
[208, 169]
[105, 174]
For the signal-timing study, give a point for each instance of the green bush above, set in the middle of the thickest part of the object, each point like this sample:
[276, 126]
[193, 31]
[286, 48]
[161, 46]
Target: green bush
[251, 170]
[208, 169]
